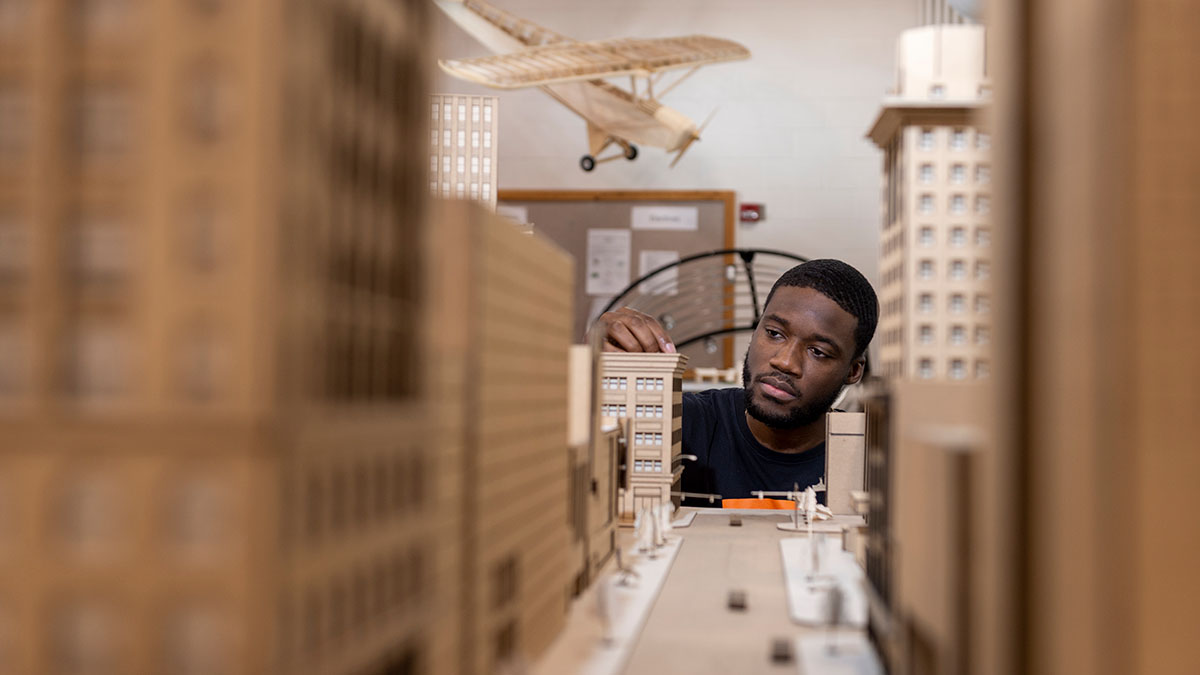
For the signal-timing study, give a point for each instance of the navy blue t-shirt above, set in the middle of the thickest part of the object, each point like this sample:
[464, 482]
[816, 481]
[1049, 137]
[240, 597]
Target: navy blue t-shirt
[731, 462]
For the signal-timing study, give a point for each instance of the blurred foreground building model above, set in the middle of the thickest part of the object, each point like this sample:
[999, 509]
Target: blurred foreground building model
[214, 455]
[935, 262]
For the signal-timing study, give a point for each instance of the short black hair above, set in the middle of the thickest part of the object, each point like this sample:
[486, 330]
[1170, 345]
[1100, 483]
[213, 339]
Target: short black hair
[844, 285]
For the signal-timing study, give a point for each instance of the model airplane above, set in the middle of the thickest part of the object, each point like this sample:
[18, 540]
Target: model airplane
[572, 73]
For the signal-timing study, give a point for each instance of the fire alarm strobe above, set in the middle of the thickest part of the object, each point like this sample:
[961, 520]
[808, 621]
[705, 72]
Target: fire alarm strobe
[753, 213]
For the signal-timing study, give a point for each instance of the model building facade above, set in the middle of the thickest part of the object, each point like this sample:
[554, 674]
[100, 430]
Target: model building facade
[647, 389]
[935, 254]
[463, 146]
[502, 418]
[211, 459]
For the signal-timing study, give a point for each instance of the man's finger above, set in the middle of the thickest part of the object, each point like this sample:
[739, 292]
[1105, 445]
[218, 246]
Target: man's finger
[646, 336]
[661, 337]
[620, 335]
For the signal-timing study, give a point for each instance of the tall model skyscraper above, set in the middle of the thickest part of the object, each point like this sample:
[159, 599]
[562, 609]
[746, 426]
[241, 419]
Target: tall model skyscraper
[213, 455]
[934, 258]
[463, 140]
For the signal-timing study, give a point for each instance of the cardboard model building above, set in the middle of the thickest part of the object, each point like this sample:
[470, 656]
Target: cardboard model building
[648, 390]
[572, 72]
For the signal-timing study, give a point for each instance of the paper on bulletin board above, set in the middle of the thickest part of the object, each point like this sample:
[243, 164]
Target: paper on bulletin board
[664, 283]
[517, 214]
[608, 253]
[665, 218]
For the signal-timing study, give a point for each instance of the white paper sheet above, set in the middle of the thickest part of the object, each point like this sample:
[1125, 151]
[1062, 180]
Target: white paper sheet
[665, 218]
[666, 283]
[608, 254]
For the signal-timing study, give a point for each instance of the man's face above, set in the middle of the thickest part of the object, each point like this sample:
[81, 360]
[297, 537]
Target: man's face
[800, 357]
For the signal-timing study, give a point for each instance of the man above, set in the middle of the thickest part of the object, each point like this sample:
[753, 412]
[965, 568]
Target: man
[810, 343]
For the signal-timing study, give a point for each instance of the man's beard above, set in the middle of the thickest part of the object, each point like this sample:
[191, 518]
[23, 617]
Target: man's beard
[801, 416]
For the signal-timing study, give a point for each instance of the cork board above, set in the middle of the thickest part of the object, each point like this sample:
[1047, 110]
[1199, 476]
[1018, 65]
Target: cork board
[566, 216]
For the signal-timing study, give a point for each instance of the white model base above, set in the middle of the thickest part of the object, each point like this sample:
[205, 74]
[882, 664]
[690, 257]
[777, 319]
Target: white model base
[851, 654]
[684, 520]
[833, 525]
[629, 607]
[808, 594]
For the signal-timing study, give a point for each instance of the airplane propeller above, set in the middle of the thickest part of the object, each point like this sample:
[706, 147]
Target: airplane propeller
[694, 137]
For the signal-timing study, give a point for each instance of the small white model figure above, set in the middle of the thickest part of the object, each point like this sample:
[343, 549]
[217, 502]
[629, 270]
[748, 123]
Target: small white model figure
[606, 608]
[656, 525]
[645, 531]
[668, 512]
[625, 575]
[835, 600]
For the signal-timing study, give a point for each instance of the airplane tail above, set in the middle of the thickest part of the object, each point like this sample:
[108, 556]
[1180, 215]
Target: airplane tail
[694, 137]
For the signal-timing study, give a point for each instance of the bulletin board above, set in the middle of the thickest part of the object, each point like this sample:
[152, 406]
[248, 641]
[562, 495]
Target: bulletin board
[694, 221]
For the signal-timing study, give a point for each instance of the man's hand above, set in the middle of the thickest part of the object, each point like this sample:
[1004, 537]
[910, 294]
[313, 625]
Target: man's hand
[628, 330]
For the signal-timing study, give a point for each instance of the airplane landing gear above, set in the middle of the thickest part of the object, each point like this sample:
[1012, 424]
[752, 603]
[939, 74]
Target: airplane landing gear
[631, 152]
[587, 162]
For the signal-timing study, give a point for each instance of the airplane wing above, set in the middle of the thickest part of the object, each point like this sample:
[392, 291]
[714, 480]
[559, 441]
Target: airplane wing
[571, 61]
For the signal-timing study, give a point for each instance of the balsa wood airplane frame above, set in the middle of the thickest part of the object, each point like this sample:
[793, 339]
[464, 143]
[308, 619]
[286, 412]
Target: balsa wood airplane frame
[571, 72]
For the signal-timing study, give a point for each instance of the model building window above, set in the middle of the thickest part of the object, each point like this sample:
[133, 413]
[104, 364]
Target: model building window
[927, 139]
[937, 91]
[983, 237]
[958, 204]
[487, 165]
[983, 174]
[462, 112]
[983, 270]
[925, 269]
[638, 465]
[461, 164]
[958, 303]
[486, 192]
[983, 140]
[487, 114]
[925, 204]
[102, 363]
[658, 465]
[474, 190]
[658, 438]
[14, 248]
[958, 236]
[958, 174]
[925, 369]
[926, 334]
[105, 120]
[446, 138]
[983, 204]
[14, 121]
[925, 303]
[925, 236]
[435, 111]
[983, 370]
[433, 164]
[460, 190]
[474, 139]
[958, 139]
[87, 633]
[474, 112]
[982, 335]
[433, 136]
[958, 369]
[926, 173]
[983, 304]
[958, 335]
[504, 582]
[474, 165]
[487, 139]
[958, 270]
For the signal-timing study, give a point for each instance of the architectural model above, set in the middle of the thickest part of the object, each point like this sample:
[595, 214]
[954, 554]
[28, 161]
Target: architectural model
[572, 73]
[648, 390]
[845, 460]
[213, 456]
[463, 143]
[935, 260]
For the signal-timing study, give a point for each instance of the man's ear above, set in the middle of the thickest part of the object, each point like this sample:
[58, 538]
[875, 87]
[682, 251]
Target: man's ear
[857, 368]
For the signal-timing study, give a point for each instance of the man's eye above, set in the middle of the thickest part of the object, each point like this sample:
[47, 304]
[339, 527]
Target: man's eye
[818, 353]
[772, 333]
